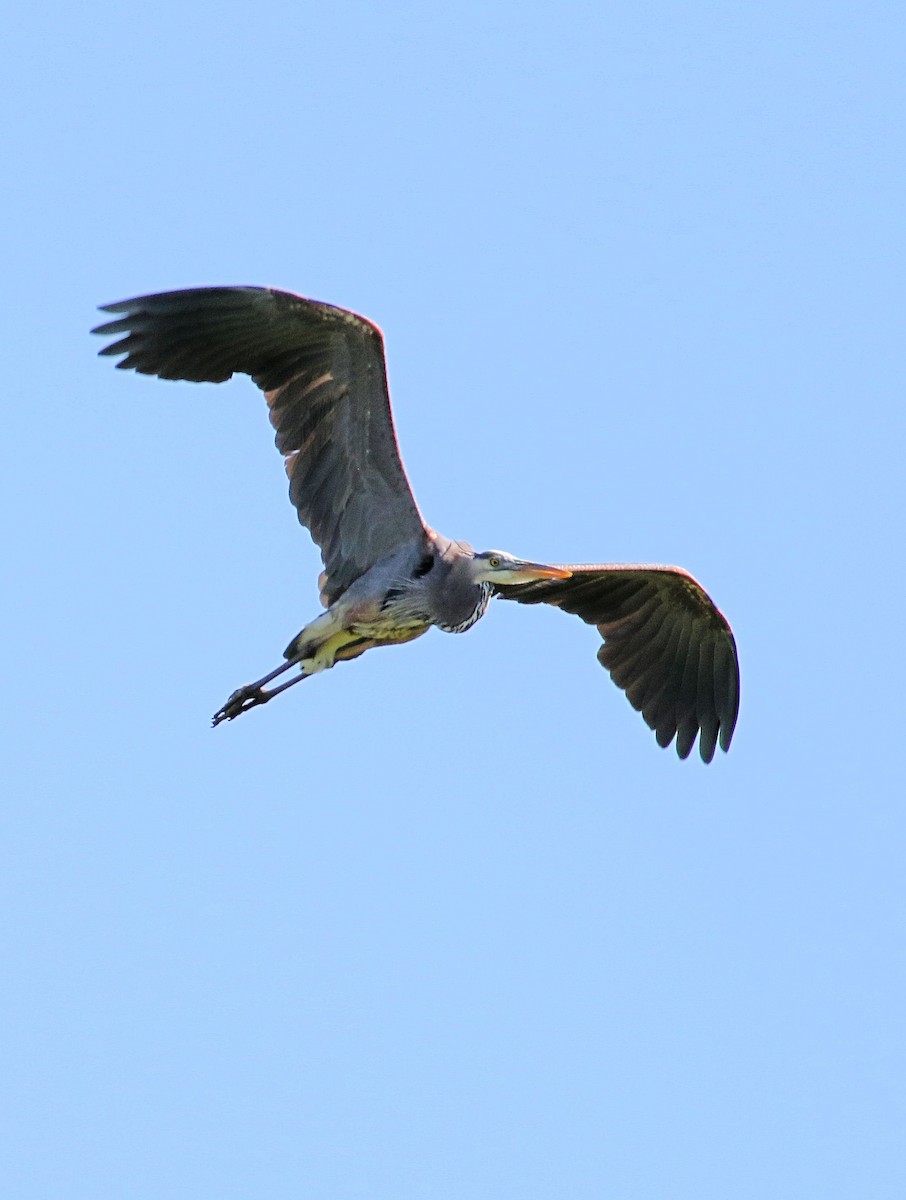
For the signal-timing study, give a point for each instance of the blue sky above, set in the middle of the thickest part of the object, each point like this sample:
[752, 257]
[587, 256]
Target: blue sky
[447, 924]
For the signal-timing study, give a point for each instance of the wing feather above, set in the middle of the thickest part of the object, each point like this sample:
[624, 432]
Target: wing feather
[666, 644]
[323, 373]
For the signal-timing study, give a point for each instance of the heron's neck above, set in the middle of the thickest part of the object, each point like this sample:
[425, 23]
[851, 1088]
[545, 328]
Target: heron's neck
[455, 600]
[463, 619]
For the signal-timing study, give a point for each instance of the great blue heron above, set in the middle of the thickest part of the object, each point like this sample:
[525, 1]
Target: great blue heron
[388, 577]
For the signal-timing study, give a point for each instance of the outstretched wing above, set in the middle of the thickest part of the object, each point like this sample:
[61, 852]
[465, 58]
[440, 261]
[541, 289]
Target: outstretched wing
[322, 372]
[666, 644]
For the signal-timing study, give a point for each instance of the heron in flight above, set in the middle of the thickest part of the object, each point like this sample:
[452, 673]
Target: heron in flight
[388, 576]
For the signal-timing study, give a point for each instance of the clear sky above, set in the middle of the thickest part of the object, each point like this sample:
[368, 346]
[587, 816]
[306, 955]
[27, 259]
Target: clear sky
[446, 924]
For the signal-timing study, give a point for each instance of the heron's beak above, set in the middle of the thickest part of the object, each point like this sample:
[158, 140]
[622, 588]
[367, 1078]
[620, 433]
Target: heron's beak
[528, 572]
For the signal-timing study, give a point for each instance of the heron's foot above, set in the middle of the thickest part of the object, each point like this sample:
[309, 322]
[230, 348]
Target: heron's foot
[250, 695]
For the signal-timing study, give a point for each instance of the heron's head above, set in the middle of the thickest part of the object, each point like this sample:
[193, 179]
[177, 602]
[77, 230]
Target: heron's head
[495, 566]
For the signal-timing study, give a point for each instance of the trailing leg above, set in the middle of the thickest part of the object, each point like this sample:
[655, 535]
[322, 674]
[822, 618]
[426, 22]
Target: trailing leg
[340, 647]
[250, 695]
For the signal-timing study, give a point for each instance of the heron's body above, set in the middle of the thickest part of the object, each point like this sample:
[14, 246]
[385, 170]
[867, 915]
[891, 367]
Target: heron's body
[396, 600]
[388, 577]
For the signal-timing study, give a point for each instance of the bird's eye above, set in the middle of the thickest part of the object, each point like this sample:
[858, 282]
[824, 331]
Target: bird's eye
[494, 561]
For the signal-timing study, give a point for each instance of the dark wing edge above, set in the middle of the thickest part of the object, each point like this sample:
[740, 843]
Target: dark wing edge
[666, 645]
[323, 373]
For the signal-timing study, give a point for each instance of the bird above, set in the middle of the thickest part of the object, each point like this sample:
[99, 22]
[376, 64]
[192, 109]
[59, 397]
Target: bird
[388, 576]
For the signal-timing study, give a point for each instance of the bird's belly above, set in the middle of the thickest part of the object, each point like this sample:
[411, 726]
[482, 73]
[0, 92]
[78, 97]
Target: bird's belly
[389, 632]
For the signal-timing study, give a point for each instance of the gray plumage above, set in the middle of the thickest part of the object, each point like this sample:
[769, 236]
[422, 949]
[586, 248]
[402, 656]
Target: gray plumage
[388, 577]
